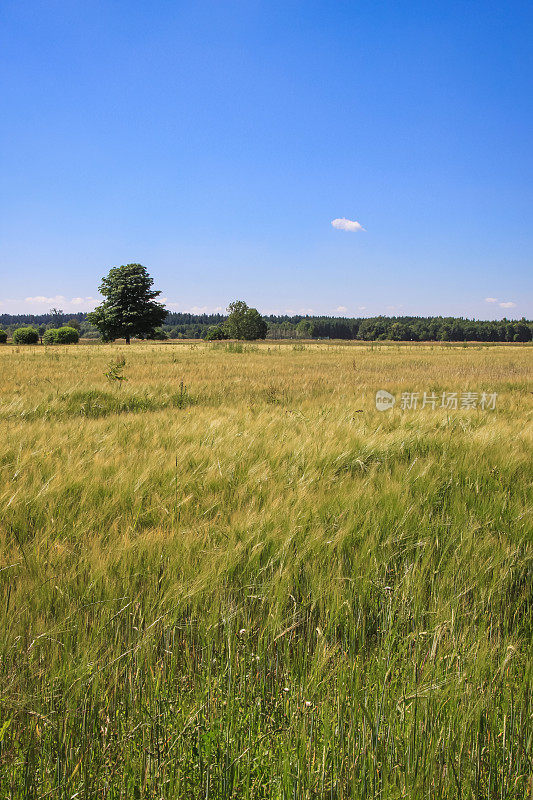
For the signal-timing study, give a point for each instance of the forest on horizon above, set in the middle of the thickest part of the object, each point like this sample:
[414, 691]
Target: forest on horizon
[181, 325]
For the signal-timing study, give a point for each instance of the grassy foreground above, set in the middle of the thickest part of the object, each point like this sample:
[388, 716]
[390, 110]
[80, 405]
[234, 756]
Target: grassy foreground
[231, 577]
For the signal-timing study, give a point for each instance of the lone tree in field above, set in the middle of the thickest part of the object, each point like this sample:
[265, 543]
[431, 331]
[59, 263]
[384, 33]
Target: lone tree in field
[244, 322]
[129, 308]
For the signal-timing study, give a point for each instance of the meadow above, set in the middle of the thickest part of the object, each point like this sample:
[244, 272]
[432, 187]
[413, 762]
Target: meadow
[230, 576]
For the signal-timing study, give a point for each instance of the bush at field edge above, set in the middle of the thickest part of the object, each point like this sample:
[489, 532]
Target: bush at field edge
[64, 335]
[26, 335]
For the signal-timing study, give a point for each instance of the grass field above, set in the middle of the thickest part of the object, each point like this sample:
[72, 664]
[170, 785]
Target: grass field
[229, 576]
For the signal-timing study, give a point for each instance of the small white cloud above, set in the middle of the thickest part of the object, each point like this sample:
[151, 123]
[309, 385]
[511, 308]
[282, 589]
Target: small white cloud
[81, 301]
[343, 224]
[491, 299]
[508, 304]
[341, 309]
[361, 308]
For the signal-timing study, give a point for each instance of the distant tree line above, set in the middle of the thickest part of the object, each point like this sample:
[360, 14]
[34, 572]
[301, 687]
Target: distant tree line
[178, 325]
[51, 318]
[44, 323]
[413, 329]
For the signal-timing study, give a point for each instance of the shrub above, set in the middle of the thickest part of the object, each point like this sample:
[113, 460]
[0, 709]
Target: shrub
[215, 332]
[159, 335]
[64, 335]
[3, 337]
[49, 336]
[25, 336]
[67, 335]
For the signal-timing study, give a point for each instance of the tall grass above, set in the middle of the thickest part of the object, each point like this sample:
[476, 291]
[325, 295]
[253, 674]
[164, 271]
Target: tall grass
[268, 589]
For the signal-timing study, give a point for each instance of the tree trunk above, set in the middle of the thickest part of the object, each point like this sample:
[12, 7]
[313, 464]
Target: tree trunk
[127, 338]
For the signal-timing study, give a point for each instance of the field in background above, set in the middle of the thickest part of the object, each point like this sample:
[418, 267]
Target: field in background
[229, 576]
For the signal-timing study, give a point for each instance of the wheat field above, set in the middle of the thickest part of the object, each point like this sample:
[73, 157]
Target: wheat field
[229, 576]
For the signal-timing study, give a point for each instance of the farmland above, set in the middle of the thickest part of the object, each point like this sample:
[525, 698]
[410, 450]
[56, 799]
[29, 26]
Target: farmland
[229, 576]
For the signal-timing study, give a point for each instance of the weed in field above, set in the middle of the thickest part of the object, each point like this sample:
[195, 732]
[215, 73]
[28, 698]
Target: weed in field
[115, 371]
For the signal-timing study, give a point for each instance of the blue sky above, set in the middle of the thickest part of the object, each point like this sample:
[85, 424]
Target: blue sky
[215, 142]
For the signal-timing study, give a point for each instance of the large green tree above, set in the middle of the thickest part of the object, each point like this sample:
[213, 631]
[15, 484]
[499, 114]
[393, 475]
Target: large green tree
[129, 308]
[244, 322]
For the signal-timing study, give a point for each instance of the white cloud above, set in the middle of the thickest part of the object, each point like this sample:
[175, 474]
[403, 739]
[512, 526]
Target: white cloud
[361, 308]
[502, 304]
[343, 224]
[341, 309]
[40, 303]
[41, 299]
[193, 309]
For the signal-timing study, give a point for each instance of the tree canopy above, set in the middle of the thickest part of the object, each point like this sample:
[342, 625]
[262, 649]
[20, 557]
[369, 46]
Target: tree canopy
[244, 322]
[130, 308]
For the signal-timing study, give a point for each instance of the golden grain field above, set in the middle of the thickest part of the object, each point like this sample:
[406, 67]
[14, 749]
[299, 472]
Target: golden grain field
[229, 576]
